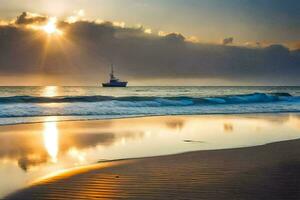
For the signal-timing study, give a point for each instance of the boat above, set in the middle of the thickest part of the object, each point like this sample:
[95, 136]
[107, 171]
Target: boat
[114, 82]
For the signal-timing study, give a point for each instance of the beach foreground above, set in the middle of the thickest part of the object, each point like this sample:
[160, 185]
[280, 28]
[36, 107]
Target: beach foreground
[269, 171]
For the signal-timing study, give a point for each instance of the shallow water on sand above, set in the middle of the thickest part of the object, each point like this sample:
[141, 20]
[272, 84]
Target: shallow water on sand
[31, 151]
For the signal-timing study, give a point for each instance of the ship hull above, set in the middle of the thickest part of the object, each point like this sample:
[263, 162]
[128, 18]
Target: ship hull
[119, 84]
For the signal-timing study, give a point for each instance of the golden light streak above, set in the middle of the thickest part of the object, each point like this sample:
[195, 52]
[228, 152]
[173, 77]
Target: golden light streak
[162, 33]
[50, 136]
[119, 24]
[4, 23]
[193, 39]
[148, 31]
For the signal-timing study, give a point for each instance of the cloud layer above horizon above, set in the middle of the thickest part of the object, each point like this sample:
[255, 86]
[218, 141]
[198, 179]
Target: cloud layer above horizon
[83, 53]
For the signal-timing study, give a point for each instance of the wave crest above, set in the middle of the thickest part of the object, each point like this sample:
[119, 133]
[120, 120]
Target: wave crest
[156, 101]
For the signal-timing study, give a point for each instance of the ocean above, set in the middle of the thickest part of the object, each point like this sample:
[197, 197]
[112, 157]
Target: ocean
[38, 104]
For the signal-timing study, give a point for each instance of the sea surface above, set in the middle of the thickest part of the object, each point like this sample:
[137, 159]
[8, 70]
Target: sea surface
[36, 104]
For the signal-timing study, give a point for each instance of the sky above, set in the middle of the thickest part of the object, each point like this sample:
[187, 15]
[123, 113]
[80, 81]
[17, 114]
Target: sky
[210, 42]
[273, 21]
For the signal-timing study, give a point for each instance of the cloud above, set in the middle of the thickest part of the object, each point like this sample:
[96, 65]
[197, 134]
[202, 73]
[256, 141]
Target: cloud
[83, 53]
[30, 18]
[148, 31]
[193, 39]
[78, 15]
[227, 41]
[174, 37]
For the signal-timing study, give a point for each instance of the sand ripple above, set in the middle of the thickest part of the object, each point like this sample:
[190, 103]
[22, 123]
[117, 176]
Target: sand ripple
[265, 172]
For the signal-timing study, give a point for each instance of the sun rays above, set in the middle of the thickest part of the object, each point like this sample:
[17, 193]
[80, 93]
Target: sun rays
[51, 27]
[52, 33]
[55, 40]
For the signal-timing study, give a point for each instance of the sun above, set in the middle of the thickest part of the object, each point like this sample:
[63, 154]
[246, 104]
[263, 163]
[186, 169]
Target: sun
[51, 28]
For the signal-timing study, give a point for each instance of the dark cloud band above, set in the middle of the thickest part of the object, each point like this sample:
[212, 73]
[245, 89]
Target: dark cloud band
[87, 48]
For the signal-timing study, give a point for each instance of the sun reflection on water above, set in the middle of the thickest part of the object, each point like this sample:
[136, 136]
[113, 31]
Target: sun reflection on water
[50, 136]
[50, 91]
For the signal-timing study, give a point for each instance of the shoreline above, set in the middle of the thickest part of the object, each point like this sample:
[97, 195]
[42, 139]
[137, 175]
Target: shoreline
[150, 116]
[132, 159]
[244, 173]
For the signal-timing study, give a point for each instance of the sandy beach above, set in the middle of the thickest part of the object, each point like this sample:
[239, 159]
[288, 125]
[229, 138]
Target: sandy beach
[167, 157]
[269, 171]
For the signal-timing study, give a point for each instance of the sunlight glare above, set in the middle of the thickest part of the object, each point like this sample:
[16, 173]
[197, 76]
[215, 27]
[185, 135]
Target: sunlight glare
[50, 135]
[50, 91]
[51, 28]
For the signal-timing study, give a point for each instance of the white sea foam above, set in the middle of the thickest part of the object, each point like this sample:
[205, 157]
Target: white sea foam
[33, 108]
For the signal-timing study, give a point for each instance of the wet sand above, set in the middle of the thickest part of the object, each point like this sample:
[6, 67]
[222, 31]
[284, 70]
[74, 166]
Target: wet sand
[269, 171]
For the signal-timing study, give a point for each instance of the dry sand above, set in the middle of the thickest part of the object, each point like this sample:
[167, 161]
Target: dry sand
[264, 172]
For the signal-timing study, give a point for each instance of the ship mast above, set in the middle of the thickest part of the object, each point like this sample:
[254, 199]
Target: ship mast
[112, 77]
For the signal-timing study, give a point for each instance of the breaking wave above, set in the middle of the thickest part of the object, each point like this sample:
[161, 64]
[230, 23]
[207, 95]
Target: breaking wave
[24, 109]
[157, 101]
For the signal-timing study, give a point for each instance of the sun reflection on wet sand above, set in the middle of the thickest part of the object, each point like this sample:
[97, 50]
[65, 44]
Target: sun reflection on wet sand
[80, 156]
[35, 150]
[50, 136]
